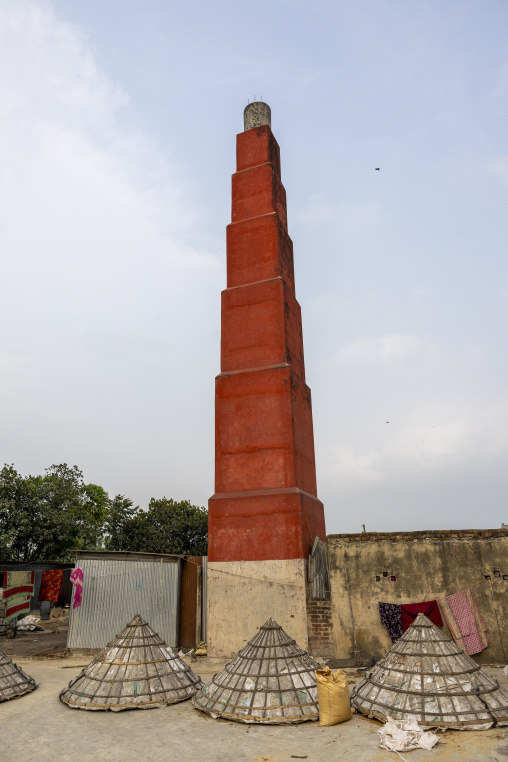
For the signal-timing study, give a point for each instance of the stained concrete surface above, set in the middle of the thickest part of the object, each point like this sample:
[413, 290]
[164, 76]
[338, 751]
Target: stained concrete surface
[251, 591]
[39, 727]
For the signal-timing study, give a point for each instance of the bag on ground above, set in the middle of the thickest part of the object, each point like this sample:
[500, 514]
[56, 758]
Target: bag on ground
[333, 697]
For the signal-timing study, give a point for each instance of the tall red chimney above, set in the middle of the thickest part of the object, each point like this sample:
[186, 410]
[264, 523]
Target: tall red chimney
[265, 513]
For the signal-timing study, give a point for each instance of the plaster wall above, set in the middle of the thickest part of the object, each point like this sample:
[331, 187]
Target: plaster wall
[242, 595]
[427, 566]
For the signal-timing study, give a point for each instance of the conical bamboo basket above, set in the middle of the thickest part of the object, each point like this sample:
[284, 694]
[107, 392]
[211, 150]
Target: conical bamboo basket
[137, 670]
[426, 676]
[13, 681]
[270, 681]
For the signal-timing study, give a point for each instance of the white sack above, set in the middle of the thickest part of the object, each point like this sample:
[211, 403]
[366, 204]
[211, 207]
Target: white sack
[27, 623]
[405, 735]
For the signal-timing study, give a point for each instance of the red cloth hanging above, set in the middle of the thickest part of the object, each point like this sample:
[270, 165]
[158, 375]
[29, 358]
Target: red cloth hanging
[411, 610]
[51, 583]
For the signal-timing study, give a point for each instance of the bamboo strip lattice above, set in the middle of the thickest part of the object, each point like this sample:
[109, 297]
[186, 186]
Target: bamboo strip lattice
[137, 670]
[425, 675]
[13, 681]
[271, 680]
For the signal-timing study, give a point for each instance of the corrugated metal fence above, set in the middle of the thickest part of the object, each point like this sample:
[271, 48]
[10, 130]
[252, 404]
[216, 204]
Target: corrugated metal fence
[115, 590]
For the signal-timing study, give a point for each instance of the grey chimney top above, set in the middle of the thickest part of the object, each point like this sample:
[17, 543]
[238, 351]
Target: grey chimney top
[256, 114]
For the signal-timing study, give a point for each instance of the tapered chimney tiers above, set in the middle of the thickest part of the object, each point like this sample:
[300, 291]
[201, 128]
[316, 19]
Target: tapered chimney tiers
[265, 505]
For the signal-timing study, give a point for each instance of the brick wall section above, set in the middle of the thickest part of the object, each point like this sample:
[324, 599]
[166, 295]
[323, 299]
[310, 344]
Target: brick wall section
[320, 627]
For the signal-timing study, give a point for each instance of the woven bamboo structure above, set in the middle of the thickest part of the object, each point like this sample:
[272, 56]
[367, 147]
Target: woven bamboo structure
[13, 681]
[270, 681]
[425, 675]
[137, 670]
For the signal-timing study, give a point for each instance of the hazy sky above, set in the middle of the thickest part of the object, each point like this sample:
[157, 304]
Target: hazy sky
[117, 143]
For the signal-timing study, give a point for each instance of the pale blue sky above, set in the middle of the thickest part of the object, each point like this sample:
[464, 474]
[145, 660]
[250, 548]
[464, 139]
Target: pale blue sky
[117, 142]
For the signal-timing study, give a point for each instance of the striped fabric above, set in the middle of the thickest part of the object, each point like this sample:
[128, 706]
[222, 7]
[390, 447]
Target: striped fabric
[18, 589]
[16, 606]
[18, 583]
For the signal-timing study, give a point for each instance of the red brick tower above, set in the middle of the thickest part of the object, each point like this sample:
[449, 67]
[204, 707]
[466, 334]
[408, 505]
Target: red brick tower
[264, 514]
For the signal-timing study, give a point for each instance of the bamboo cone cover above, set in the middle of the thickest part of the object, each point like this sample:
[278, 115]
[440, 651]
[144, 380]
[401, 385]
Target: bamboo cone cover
[13, 681]
[137, 670]
[425, 675]
[271, 680]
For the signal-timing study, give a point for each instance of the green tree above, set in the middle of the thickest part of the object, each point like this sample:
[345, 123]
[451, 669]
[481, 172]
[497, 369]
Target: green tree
[44, 517]
[120, 512]
[166, 527]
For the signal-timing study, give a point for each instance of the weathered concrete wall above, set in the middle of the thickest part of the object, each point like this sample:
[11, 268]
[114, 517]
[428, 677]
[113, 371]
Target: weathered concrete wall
[427, 566]
[242, 595]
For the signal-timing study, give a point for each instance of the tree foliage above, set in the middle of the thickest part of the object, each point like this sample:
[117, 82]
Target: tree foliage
[44, 517]
[166, 527]
[120, 512]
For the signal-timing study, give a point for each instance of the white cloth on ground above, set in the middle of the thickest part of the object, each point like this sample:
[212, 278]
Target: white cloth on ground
[405, 735]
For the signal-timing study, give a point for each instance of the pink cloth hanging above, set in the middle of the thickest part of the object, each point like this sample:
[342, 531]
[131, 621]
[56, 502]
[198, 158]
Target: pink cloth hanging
[77, 580]
[465, 622]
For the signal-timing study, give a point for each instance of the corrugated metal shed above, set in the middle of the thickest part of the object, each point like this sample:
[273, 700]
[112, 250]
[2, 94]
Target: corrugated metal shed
[116, 587]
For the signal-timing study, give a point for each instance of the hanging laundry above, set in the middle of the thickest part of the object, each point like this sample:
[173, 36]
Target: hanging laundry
[18, 589]
[411, 610]
[51, 582]
[15, 606]
[18, 583]
[391, 617]
[465, 622]
[77, 580]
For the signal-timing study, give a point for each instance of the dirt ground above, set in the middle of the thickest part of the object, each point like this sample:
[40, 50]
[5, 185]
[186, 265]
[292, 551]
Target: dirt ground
[49, 642]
